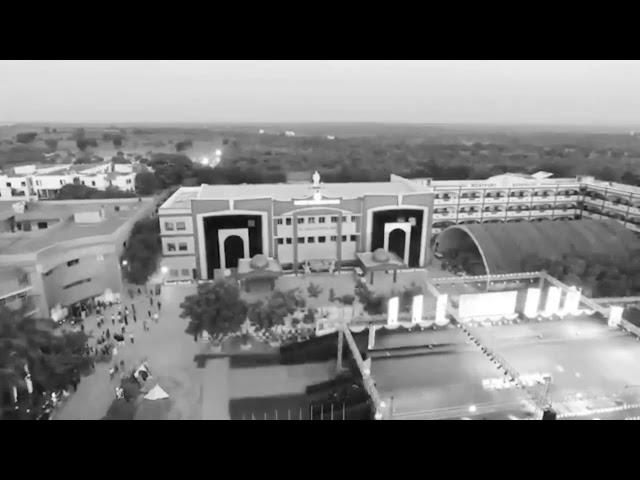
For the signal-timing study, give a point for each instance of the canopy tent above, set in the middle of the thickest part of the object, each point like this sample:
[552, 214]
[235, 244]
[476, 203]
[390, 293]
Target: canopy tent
[258, 268]
[380, 260]
[156, 393]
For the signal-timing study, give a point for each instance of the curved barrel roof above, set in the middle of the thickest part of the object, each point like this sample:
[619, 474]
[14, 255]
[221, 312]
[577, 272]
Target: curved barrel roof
[504, 245]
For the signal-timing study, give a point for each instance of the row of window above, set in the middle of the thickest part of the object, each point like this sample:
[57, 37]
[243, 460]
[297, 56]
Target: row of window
[185, 272]
[311, 220]
[182, 247]
[321, 239]
[79, 282]
[170, 226]
[26, 226]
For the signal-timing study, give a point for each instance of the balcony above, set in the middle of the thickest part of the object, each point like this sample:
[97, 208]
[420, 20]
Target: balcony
[469, 214]
[495, 199]
[541, 213]
[526, 199]
[518, 213]
[616, 205]
[450, 200]
[444, 215]
[471, 199]
[494, 214]
[567, 198]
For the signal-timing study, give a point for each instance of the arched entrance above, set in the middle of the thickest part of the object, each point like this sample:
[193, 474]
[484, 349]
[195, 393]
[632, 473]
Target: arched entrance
[397, 240]
[233, 250]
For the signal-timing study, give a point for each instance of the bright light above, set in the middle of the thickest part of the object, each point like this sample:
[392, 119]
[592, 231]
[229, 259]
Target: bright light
[124, 263]
[473, 408]
[164, 270]
[218, 152]
[205, 160]
[378, 416]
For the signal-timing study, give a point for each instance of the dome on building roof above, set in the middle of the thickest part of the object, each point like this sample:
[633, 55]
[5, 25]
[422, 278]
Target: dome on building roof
[381, 255]
[259, 262]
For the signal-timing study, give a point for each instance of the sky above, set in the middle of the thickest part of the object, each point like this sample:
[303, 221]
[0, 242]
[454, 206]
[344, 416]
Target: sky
[506, 92]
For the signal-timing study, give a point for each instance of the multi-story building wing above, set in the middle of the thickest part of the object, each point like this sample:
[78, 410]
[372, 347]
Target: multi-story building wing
[207, 229]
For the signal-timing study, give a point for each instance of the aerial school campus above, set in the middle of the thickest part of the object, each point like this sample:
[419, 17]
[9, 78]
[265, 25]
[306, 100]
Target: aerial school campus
[406, 299]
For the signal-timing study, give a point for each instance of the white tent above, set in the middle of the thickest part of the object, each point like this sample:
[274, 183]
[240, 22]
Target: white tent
[156, 393]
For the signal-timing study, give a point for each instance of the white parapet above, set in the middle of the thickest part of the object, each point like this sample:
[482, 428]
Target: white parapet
[615, 315]
[372, 337]
[441, 309]
[417, 308]
[532, 303]
[392, 311]
[572, 302]
[553, 301]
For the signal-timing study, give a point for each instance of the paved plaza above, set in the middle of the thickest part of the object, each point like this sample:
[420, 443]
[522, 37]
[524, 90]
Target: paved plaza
[168, 350]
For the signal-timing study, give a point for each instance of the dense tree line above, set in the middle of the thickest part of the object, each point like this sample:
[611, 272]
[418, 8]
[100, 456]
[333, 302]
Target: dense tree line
[82, 192]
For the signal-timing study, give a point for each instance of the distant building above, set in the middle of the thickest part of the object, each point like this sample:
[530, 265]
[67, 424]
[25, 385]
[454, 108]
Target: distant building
[31, 182]
[65, 251]
[289, 133]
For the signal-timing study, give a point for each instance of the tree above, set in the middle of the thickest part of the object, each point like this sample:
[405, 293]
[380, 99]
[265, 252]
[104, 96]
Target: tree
[630, 178]
[26, 137]
[278, 307]
[77, 191]
[55, 359]
[146, 183]
[216, 307]
[52, 143]
[142, 251]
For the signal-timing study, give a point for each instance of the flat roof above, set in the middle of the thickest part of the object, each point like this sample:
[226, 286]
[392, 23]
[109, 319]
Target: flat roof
[26, 242]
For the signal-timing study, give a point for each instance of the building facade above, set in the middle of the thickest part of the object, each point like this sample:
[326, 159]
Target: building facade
[206, 229]
[69, 251]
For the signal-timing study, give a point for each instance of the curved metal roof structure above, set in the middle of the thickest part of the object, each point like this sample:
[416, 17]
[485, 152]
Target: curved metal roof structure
[503, 246]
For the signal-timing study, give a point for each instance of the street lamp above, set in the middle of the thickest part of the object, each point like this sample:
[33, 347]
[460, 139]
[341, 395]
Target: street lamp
[164, 270]
[125, 263]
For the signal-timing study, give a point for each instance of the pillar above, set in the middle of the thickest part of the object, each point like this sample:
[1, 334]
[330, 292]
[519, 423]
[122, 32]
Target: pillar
[372, 337]
[572, 302]
[295, 243]
[392, 311]
[553, 301]
[340, 347]
[615, 315]
[371, 277]
[417, 308]
[532, 303]
[339, 243]
[441, 309]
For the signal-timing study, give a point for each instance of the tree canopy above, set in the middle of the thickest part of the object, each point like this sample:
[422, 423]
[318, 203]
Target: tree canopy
[74, 191]
[55, 359]
[146, 183]
[216, 307]
[142, 251]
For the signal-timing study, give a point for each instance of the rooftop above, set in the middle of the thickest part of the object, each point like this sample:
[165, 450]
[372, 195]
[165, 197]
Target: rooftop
[27, 242]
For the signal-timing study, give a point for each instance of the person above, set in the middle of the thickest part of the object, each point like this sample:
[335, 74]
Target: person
[113, 319]
[126, 321]
[111, 373]
[131, 337]
[122, 364]
[159, 305]
[108, 334]
[149, 313]
[135, 320]
[144, 326]
[123, 329]
[139, 291]
[151, 301]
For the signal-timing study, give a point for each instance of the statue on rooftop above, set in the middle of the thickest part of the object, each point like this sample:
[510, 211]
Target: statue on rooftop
[316, 179]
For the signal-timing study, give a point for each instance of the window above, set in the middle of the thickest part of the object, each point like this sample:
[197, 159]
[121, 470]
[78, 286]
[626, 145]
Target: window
[168, 226]
[251, 223]
[171, 247]
[288, 240]
[182, 246]
[173, 272]
[71, 263]
[279, 221]
[42, 225]
[116, 208]
[322, 239]
[353, 219]
[79, 282]
[344, 238]
[26, 226]
[354, 238]
[46, 274]
[300, 239]
[333, 238]
[311, 220]
[344, 219]
[184, 272]
[61, 182]
[321, 220]
[93, 183]
[334, 219]
[300, 220]
[280, 241]
[128, 181]
[23, 184]
[311, 240]
[181, 226]
[288, 221]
